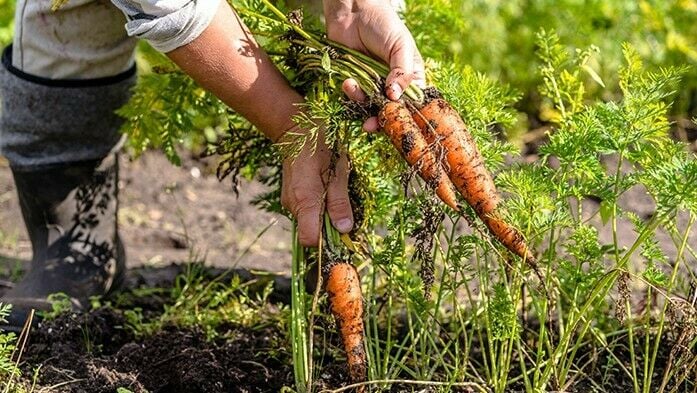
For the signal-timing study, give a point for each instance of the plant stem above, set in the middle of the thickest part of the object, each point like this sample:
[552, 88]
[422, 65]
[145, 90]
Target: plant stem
[661, 322]
[298, 326]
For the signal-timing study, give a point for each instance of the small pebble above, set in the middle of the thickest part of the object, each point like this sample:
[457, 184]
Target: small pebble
[195, 173]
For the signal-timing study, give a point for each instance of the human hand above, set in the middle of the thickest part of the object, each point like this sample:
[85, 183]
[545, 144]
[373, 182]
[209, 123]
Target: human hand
[310, 187]
[225, 60]
[374, 27]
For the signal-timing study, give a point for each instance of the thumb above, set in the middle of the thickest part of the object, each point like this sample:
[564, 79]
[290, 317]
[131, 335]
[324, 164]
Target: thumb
[338, 203]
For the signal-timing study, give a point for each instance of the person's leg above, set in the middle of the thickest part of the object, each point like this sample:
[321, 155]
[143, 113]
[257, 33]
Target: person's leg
[60, 82]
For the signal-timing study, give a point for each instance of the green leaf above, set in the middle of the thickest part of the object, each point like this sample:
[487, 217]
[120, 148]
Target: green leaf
[326, 62]
[4, 311]
[591, 72]
[655, 276]
[607, 209]
[502, 314]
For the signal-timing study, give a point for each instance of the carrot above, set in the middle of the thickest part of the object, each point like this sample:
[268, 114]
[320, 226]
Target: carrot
[462, 161]
[346, 302]
[396, 121]
[508, 236]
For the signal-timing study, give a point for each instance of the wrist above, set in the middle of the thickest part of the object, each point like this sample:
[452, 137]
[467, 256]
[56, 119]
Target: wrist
[280, 120]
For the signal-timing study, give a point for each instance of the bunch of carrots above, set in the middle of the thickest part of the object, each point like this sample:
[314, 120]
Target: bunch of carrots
[431, 137]
[424, 128]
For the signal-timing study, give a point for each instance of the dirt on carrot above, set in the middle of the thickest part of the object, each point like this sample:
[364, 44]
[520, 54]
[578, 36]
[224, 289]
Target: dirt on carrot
[343, 287]
[396, 121]
[441, 125]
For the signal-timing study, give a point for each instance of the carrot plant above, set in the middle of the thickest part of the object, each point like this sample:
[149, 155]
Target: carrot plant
[7, 346]
[606, 308]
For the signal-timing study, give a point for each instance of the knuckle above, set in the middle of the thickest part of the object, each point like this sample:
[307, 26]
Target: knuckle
[306, 239]
[304, 199]
[300, 208]
[338, 204]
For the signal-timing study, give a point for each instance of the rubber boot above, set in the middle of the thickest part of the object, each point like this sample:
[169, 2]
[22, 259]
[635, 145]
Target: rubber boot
[70, 214]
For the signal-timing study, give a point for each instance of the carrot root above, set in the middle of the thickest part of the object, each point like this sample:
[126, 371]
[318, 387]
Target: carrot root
[510, 237]
[396, 121]
[346, 303]
[440, 124]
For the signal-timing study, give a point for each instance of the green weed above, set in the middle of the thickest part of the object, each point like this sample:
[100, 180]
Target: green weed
[60, 304]
[7, 346]
[11, 348]
[211, 305]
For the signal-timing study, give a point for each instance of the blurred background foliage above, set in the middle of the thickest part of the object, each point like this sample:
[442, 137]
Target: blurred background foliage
[497, 37]
[7, 9]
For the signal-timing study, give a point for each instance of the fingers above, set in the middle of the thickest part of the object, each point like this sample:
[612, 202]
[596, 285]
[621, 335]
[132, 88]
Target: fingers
[307, 209]
[308, 212]
[371, 125]
[354, 93]
[304, 194]
[401, 58]
[406, 66]
[353, 90]
[338, 204]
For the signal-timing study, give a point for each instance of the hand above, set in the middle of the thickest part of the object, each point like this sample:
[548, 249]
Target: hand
[225, 60]
[373, 27]
[309, 187]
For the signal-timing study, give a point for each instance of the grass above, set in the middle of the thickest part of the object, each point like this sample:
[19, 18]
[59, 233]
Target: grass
[209, 304]
[11, 350]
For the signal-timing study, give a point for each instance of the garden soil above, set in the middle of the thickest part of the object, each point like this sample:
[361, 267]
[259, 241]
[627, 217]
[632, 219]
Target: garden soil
[170, 213]
[93, 352]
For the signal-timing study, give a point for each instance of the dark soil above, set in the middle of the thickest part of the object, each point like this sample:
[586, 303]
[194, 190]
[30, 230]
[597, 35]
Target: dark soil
[96, 352]
[172, 360]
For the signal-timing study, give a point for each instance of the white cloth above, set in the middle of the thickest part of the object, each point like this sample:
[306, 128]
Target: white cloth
[87, 39]
[167, 24]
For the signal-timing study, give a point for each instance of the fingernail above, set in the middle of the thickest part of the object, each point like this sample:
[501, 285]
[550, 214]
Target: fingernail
[344, 225]
[397, 89]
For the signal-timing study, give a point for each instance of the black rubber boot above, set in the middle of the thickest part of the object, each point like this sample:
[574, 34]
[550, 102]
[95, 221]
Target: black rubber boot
[70, 214]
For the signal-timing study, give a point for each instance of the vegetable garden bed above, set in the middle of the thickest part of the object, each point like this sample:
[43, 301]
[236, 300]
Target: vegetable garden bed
[606, 208]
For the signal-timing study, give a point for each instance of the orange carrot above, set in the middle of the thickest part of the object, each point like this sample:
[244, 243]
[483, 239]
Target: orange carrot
[396, 121]
[346, 302]
[439, 122]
